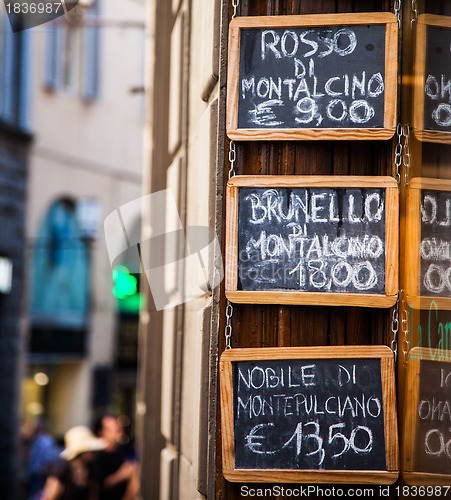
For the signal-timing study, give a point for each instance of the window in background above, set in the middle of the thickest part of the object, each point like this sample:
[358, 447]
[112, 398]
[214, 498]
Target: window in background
[15, 76]
[72, 53]
[59, 284]
[72, 58]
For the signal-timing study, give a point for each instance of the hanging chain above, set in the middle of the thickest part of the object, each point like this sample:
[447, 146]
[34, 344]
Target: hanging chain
[395, 329]
[228, 328]
[414, 14]
[235, 4]
[404, 315]
[398, 154]
[397, 8]
[406, 153]
[232, 159]
[402, 153]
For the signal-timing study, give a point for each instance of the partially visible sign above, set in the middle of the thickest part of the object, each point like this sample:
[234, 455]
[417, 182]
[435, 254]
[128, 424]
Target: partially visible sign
[312, 77]
[319, 414]
[427, 420]
[428, 243]
[6, 275]
[432, 97]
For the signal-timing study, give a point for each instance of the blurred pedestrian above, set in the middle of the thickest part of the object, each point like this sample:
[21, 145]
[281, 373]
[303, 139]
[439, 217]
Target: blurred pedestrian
[24, 459]
[115, 466]
[73, 480]
[43, 455]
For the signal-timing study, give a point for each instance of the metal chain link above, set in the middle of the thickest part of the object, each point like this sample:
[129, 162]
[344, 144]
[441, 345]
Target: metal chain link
[228, 328]
[235, 4]
[397, 8]
[232, 159]
[404, 313]
[414, 14]
[398, 154]
[395, 329]
[406, 153]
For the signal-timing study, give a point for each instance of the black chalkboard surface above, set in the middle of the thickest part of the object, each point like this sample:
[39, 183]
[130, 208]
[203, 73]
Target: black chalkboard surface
[313, 73]
[320, 409]
[435, 246]
[311, 237]
[434, 412]
[285, 410]
[328, 77]
[432, 111]
[437, 107]
[313, 240]
[428, 248]
[427, 448]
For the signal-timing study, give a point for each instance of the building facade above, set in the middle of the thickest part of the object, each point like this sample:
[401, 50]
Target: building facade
[188, 153]
[185, 143]
[86, 162]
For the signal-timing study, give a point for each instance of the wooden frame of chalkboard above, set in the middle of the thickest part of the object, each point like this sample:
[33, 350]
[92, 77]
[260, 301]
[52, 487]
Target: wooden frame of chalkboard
[412, 435]
[268, 128]
[312, 475]
[415, 280]
[422, 132]
[385, 298]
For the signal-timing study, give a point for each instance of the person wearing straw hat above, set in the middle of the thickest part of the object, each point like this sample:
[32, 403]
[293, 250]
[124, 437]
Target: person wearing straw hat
[74, 480]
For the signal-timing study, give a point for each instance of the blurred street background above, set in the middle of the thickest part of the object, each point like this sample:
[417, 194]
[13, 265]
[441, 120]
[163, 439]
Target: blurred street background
[72, 111]
[100, 106]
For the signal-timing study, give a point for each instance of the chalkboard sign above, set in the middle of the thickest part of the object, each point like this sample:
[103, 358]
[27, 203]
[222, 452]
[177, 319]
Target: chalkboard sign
[428, 243]
[312, 240]
[309, 414]
[330, 76]
[432, 97]
[427, 435]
